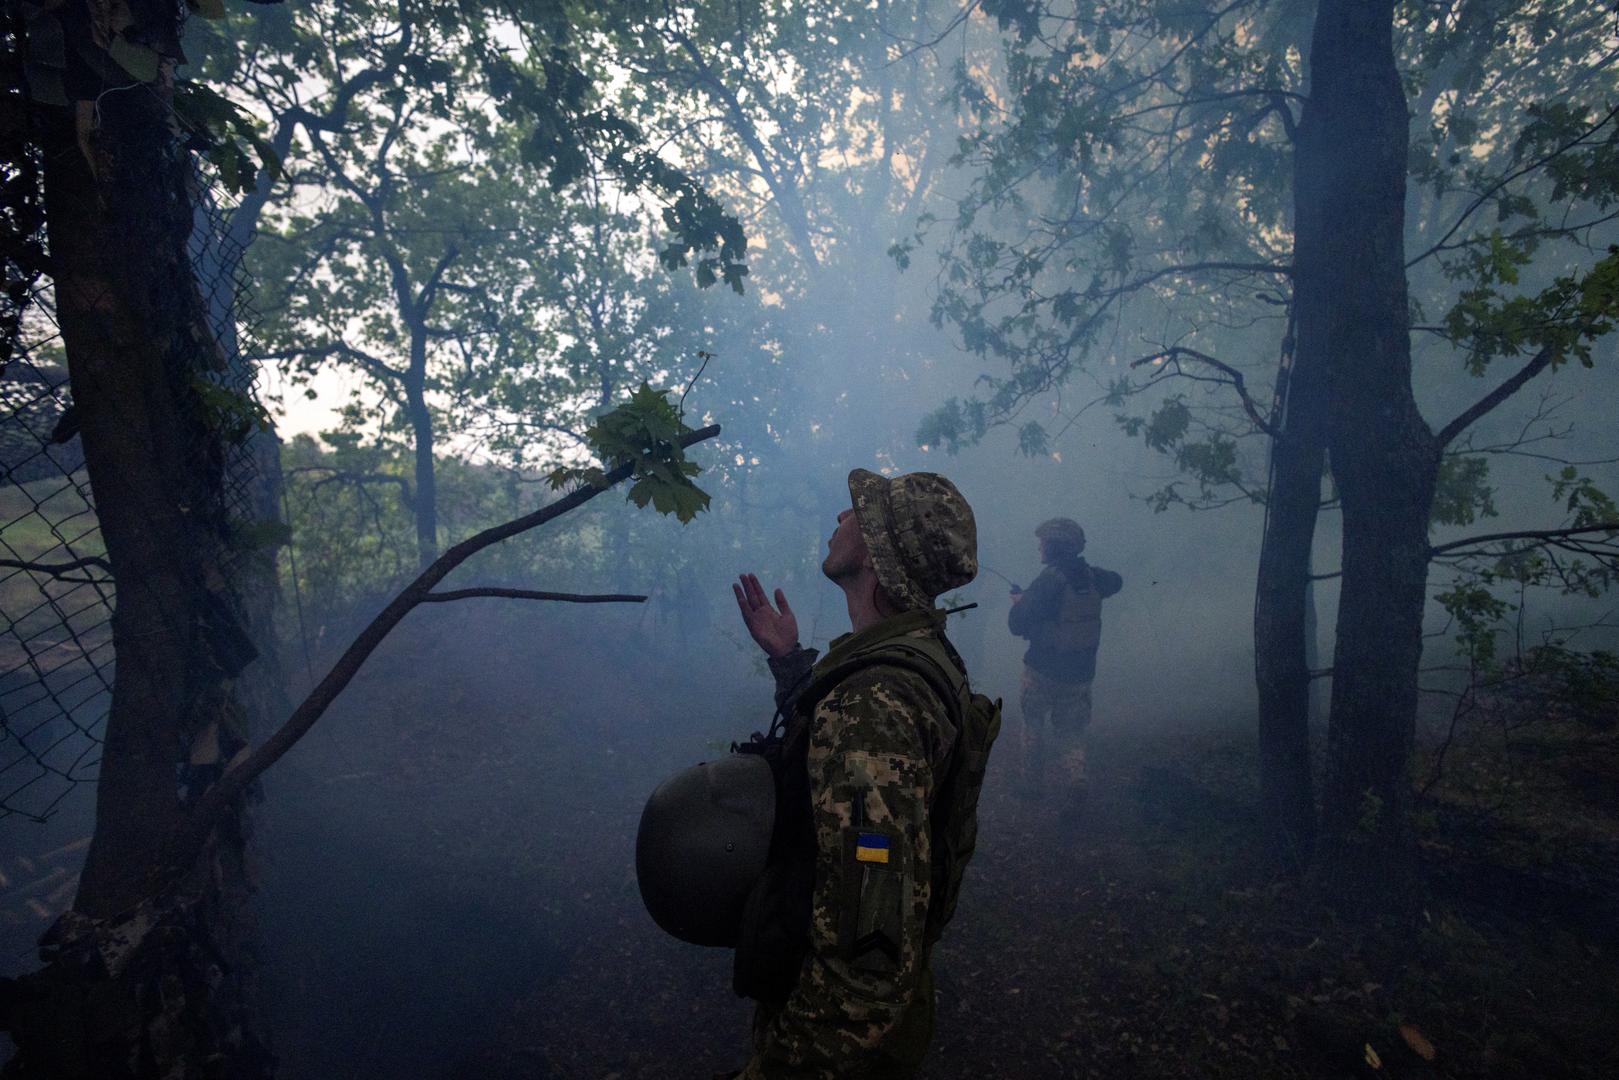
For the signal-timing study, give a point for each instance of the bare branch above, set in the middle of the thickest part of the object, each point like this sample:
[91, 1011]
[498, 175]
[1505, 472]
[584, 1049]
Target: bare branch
[530, 594]
[1464, 705]
[188, 842]
[376, 364]
[1538, 363]
[1544, 535]
[1489, 192]
[1176, 353]
[916, 45]
[1279, 105]
[345, 476]
[1193, 268]
[57, 569]
[787, 197]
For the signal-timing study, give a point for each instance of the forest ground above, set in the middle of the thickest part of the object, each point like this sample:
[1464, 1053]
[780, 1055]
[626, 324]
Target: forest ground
[454, 893]
[448, 890]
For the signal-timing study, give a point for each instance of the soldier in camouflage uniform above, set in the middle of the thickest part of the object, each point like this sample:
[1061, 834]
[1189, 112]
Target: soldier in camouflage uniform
[1061, 615]
[879, 741]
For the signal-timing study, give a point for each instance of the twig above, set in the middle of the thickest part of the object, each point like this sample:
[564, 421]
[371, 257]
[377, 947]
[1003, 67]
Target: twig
[680, 408]
[57, 569]
[1464, 705]
[1175, 353]
[1489, 193]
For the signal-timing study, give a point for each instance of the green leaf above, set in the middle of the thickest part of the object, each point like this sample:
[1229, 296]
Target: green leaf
[1168, 424]
[1461, 494]
[1033, 440]
[224, 133]
[233, 414]
[644, 433]
[139, 60]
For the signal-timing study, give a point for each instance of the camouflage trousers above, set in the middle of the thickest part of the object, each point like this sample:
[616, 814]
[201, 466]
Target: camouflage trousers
[1055, 717]
[896, 1055]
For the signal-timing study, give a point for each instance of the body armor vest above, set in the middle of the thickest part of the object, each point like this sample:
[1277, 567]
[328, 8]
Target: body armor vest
[774, 936]
[1078, 625]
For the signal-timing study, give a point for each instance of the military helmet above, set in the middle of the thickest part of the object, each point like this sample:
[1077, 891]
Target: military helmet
[1064, 531]
[703, 842]
[920, 532]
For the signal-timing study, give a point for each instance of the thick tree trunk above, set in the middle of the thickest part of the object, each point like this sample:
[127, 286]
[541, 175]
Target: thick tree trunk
[133, 325]
[133, 983]
[1283, 619]
[1351, 291]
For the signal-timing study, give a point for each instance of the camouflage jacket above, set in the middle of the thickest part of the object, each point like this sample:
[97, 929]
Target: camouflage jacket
[863, 1005]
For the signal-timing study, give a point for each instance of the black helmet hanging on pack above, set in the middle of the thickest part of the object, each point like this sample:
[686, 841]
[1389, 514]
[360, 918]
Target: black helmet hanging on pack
[703, 842]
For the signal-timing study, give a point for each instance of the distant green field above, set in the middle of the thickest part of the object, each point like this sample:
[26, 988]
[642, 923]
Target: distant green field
[27, 612]
[27, 512]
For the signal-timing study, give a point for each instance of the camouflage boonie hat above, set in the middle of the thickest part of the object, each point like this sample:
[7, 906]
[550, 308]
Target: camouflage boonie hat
[920, 532]
[1065, 531]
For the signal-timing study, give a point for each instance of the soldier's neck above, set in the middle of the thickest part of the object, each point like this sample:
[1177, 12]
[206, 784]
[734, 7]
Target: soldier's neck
[865, 607]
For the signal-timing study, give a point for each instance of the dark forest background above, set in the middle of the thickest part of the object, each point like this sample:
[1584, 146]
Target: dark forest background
[331, 691]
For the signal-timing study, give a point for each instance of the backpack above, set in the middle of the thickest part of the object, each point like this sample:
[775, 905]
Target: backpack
[775, 925]
[1077, 626]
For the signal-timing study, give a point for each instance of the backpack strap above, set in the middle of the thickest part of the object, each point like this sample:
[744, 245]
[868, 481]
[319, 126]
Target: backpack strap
[931, 664]
[953, 817]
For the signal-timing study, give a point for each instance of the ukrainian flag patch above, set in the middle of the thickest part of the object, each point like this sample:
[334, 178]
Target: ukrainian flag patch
[871, 848]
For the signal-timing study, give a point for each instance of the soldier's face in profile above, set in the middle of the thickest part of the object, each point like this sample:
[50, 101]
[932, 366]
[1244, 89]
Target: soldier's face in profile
[846, 551]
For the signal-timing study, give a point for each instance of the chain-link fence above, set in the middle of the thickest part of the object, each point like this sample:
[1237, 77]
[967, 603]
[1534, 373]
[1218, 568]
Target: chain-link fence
[55, 592]
[56, 589]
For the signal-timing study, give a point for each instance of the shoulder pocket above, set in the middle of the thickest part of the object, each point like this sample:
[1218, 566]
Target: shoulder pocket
[876, 890]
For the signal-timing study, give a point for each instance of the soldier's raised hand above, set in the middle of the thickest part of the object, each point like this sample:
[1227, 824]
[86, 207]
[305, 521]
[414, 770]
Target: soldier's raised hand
[776, 632]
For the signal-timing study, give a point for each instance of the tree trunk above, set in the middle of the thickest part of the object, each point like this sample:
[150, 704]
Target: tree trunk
[425, 500]
[1282, 612]
[134, 327]
[1351, 289]
[133, 982]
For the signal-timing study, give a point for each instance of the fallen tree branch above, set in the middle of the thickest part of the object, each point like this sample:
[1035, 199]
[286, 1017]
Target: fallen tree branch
[190, 838]
[530, 594]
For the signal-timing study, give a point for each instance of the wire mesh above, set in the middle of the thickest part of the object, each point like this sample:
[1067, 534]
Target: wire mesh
[56, 587]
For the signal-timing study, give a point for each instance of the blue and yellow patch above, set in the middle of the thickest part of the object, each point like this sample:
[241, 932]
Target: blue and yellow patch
[871, 848]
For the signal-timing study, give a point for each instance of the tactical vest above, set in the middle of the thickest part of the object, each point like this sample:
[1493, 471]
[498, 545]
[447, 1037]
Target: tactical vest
[1078, 625]
[774, 936]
